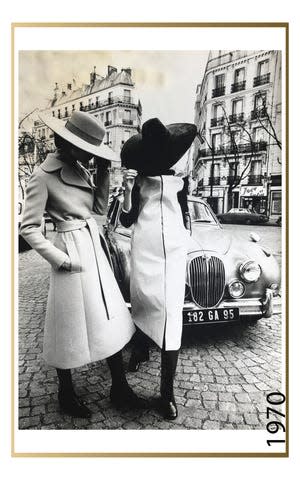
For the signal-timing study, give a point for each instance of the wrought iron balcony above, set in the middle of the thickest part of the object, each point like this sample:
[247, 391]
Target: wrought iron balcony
[110, 101]
[234, 149]
[258, 113]
[213, 180]
[261, 80]
[236, 117]
[238, 86]
[218, 92]
[217, 121]
[255, 179]
[126, 121]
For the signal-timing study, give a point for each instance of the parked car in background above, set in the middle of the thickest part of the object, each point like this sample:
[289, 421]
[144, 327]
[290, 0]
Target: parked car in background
[227, 279]
[242, 215]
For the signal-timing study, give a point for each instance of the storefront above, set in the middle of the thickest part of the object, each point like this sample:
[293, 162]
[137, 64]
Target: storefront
[254, 198]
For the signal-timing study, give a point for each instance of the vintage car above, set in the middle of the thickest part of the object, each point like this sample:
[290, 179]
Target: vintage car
[242, 215]
[227, 279]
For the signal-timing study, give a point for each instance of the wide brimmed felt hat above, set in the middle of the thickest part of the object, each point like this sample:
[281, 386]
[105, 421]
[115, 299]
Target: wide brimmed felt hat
[82, 130]
[157, 147]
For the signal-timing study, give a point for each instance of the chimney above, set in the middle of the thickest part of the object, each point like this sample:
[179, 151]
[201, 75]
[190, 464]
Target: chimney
[55, 91]
[93, 76]
[127, 70]
[111, 69]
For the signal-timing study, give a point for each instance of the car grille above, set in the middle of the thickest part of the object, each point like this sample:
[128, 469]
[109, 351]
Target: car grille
[207, 281]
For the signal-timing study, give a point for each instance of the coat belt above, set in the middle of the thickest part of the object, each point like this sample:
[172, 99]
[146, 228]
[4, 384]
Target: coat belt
[77, 224]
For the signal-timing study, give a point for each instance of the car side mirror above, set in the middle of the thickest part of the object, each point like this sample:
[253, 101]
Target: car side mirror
[254, 237]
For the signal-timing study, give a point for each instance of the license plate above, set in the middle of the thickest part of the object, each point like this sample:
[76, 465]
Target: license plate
[211, 315]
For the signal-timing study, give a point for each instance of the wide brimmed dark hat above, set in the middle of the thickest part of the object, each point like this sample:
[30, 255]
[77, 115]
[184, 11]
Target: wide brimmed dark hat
[82, 130]
[157, 147]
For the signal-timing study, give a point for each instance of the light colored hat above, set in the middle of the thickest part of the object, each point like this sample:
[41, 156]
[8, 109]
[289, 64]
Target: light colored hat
[82, 130]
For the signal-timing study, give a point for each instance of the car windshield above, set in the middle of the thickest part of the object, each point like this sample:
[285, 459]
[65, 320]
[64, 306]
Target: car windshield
[200, 212]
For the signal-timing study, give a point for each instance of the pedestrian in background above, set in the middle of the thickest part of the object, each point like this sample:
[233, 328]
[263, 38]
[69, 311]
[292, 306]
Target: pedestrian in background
[87, 319]
[155, 201]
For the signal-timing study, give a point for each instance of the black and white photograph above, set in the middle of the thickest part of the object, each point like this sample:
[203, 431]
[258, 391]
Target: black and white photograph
[151, 242]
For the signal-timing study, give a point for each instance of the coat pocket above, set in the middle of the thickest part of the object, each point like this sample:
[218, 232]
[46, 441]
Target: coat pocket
[72, 252]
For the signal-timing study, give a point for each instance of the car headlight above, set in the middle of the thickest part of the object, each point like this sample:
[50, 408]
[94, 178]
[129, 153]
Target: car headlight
[250, 271]
[236, 289]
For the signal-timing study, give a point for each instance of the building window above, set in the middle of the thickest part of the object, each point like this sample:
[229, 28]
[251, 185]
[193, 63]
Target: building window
[237, 111]
[260, 106]
[263, 74]
[218, 115]
[66, 111]
[276, 203]
[58, 113]
[239, 82]
[127, 117]
[81, 106]
[107, 118]
[216, 142]
[127, 95]
[219, 86]
[102, 117]
[97, 102]
[107, 138]
[73, 108]
[110, 99]
[53, 113]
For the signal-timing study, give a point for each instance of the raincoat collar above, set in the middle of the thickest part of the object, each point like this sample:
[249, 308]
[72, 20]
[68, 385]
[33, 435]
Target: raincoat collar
[68, 174]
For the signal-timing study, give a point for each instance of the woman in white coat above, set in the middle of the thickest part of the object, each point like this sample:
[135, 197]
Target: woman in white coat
[156, 203]
[86, 318]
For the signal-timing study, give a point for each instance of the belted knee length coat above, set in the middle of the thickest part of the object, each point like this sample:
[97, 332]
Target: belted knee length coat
[86, 318]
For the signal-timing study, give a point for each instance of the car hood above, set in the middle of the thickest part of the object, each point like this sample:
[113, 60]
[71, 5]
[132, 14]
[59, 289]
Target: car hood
[209, 238]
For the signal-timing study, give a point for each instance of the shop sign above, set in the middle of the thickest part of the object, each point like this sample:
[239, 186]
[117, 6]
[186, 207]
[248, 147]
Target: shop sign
[253, 191]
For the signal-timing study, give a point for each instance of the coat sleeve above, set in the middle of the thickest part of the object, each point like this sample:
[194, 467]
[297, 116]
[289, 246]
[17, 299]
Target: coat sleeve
[102, 189]
[183, 202]
[31, 227]
[130, 217]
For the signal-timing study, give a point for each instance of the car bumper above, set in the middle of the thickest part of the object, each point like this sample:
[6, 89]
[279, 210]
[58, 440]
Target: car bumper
[248, 307]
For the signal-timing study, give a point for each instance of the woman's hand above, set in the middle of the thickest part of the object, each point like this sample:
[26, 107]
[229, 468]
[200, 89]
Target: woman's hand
[66, 266]
[129, 179]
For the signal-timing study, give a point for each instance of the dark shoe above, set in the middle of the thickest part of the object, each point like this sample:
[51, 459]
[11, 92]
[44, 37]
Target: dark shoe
[72, 405]
[169, 409]
[125, 397]
[136, 360]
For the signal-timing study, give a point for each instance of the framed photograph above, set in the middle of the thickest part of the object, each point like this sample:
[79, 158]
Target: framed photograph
[150, 178]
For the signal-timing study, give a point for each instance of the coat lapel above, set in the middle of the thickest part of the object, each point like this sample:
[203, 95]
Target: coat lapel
[68, 174]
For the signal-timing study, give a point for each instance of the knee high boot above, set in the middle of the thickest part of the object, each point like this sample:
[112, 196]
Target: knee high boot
[121, 395]
[169, 360]
[140, 350]
[67, 398]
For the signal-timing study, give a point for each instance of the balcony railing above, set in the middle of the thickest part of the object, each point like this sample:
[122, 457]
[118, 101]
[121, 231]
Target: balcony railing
[213, 180]
[109, 101]
[261, 80]
[258, 113]
[236, 117]
[238, 86]
[217, 121]
[126, 121]
[254, 147]
[218, 92]
[255, 179]
[107, 123]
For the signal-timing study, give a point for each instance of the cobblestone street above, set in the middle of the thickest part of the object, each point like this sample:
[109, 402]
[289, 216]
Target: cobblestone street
[223, 375]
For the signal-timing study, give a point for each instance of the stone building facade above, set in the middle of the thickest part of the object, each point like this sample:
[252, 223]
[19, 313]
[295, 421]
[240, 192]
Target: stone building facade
[237, 155]
[111, 98]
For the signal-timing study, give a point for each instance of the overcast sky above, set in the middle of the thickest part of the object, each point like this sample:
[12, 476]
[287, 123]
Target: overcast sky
[165, 80]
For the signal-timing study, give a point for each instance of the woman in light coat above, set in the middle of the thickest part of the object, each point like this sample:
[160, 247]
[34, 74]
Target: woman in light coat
[87, 319]
[155, 201]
